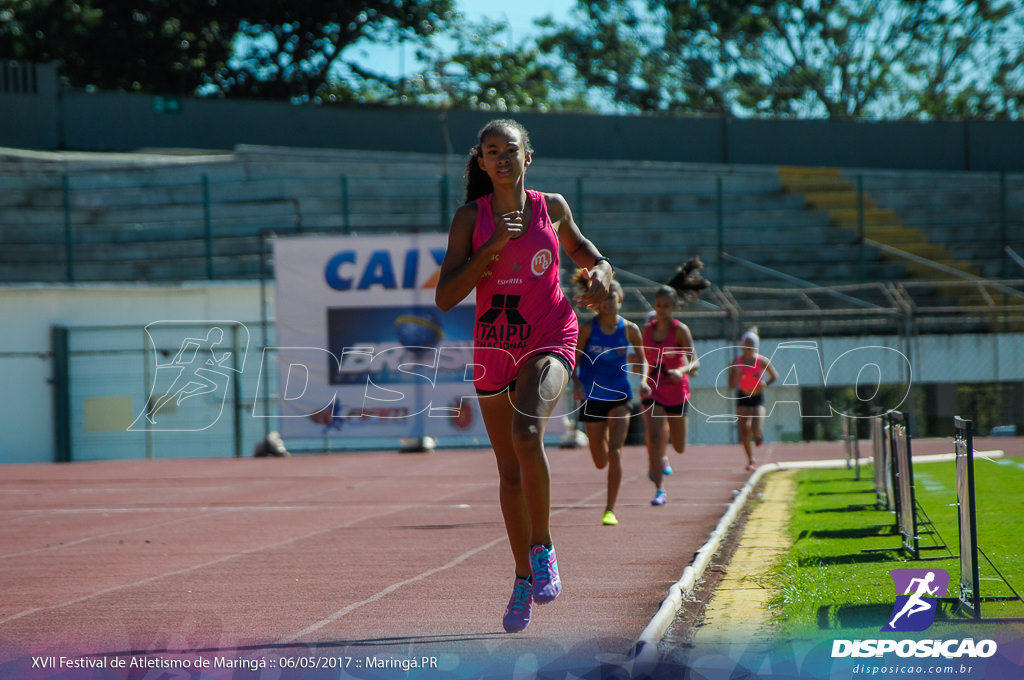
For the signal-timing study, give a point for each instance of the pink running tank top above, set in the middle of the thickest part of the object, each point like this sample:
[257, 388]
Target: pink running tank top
[662, 357]
[520, 308]
[750, 376]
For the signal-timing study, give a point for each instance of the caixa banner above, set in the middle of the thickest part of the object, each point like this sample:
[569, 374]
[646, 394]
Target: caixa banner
[362, 349]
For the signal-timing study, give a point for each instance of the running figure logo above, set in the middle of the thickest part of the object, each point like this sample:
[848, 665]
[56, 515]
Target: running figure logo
[915, 607]
[202, 365]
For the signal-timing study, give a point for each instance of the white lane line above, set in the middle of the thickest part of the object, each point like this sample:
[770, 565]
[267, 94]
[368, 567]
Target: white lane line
[206, 512]
[195, 567]
[344, 611]
[96, 537]
[387, 591]
[225, 558]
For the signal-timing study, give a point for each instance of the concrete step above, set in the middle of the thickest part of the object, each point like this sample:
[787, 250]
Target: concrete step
[953, 182]
[962, 215]
[837, 200]
[148, 214]
[662, 265]
[851, 218]
[174, 269]
[929, 197]
[684, 203]
[782, 239]
[146, 206]
[963, 237]
[924, 271]
[221, 227]
[800, 180]
[894, 235]
[751, 219]
[186, 248]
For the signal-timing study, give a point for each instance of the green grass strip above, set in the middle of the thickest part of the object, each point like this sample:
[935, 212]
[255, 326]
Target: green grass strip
[836, 576]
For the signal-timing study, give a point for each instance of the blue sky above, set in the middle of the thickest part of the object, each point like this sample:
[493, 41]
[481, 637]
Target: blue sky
[519, 17]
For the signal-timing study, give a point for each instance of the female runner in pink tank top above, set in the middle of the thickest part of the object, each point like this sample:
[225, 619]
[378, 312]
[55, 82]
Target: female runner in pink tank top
[504, 241]
[749, 375]
[668, 347]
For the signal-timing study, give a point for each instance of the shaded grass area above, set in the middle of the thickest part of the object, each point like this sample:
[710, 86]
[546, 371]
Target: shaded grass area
[836, 576]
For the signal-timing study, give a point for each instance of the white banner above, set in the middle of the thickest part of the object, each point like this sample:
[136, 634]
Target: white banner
[362, 349]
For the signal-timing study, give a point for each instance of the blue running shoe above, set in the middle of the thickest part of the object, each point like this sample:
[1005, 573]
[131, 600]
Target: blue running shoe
[546, 583]
[666, 469]
[659, 498]
[517, 613]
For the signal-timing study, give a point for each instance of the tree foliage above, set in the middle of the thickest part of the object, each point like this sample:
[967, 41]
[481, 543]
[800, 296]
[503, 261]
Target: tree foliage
[484, 69]
[840, 59]
[275, 49]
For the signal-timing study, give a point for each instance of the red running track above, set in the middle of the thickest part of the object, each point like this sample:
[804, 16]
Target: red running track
[365, 556]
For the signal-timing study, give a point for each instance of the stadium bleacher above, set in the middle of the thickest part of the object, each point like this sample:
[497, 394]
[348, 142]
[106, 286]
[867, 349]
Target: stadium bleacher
[171, 216]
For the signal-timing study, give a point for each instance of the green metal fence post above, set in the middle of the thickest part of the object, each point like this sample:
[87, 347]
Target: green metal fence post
[147, 382]
[1004, 239]
[578, 217]
[208, 227]
[862, 273]
[720, 228]
[344, 205]
[1004, 234]
[69, 253]
[444, 191]
[61, 394]
[236, 391]
[264, 316]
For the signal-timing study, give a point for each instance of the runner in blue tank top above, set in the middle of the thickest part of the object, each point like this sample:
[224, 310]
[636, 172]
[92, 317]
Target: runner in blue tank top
[606, 347]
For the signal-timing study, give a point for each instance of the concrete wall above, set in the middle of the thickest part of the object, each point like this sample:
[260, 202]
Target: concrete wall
[29, 105]
[893, 144]
[26, 403]
[88, 124]
[109, 121]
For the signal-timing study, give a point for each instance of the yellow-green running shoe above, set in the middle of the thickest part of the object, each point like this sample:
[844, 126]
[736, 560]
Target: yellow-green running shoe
[609, 519]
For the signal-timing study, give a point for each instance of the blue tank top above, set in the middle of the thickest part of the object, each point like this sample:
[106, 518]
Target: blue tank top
[602, 365]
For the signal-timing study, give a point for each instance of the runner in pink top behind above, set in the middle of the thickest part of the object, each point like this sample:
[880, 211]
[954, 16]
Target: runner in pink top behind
[504, 242]
[668, 347]
[749, 375]
[670, 353]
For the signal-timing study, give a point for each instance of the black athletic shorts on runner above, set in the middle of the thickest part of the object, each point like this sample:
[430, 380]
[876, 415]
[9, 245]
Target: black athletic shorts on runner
[750, 401]
[594, 411]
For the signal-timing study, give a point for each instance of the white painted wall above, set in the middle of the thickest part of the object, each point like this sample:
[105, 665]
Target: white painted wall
[27, 314]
